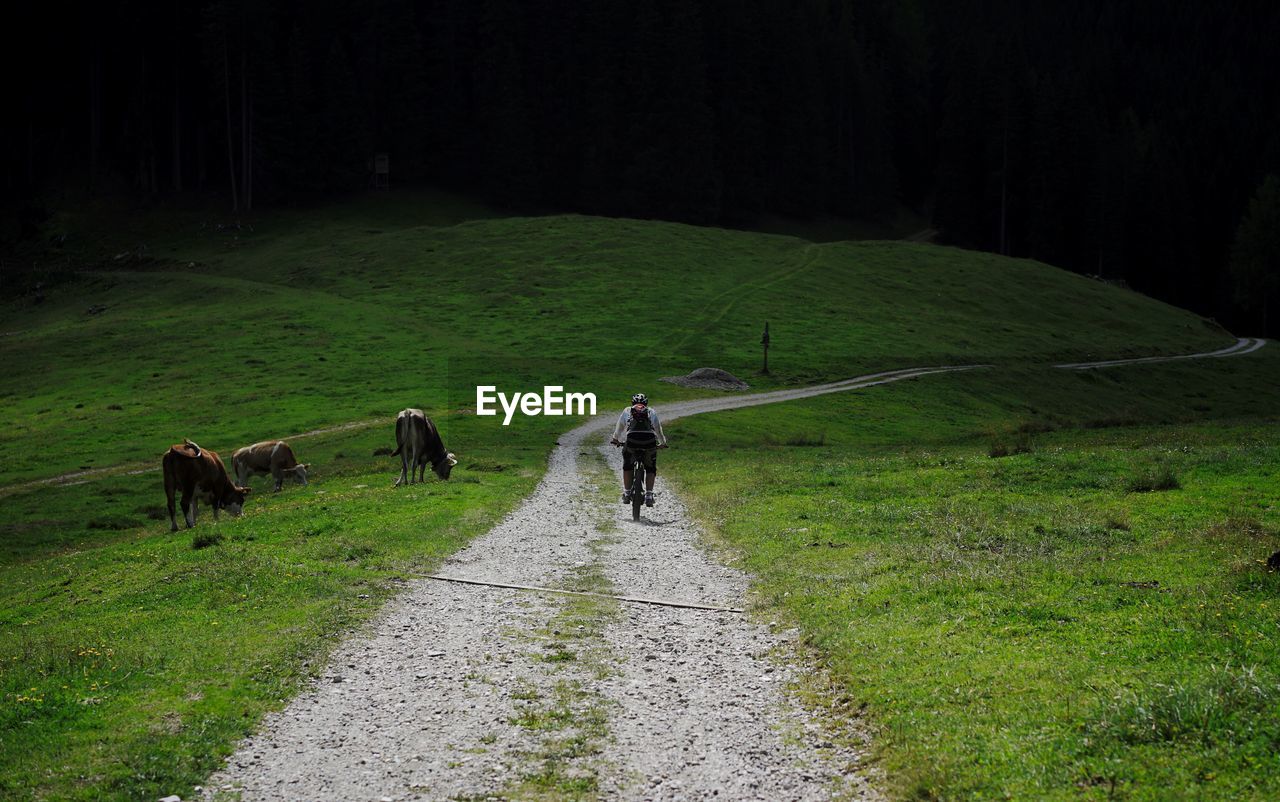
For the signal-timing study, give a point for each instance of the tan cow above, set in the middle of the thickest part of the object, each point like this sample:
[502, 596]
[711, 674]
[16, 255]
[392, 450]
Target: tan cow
[192, 469]
[418, 442]
[273, 457]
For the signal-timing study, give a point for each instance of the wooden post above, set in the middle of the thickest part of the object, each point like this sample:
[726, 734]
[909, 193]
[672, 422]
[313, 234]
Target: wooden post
[764, 341]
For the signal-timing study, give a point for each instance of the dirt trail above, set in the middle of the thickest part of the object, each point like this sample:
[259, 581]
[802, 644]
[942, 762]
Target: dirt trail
[483, 692]
[136, 468]
[1242, 346]
[473, 691]
[476, 692]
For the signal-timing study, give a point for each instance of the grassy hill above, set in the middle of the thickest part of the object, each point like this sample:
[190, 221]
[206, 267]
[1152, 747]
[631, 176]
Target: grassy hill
[131, 658]
[319, 318]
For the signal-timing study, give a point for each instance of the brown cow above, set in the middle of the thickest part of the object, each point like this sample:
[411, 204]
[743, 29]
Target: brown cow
[418, 442]
[193, 470]
[273, 457]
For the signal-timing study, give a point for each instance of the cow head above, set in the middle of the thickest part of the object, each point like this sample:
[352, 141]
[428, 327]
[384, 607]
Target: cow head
[233, 498]
[445, 466]
[300, 473]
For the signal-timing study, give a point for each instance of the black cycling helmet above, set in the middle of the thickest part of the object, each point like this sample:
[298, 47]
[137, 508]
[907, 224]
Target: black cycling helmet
[640, 398]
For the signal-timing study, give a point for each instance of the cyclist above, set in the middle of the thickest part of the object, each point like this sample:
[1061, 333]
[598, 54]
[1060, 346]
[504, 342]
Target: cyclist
[639, 417]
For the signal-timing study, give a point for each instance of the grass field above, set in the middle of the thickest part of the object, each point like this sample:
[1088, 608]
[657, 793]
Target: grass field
[130, 659]
[315, 318]
[1082, 615]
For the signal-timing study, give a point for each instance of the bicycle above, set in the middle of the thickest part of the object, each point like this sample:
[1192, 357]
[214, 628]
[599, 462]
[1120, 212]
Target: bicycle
[640, 444]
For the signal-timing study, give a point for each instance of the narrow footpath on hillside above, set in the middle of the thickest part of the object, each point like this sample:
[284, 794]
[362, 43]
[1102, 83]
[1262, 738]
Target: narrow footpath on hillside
[475, 691]
[1242, 346]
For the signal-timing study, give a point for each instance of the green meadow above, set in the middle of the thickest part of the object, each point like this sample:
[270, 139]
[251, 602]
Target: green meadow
[315, 318]
[976, 605]
[1035, 584]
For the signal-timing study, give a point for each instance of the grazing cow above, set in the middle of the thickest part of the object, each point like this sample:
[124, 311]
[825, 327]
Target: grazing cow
[273, 457]
[417, 443]
[192, 469]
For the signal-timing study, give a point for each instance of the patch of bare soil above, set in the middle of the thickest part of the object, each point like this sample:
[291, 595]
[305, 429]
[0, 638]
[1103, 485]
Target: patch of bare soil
[708, 379]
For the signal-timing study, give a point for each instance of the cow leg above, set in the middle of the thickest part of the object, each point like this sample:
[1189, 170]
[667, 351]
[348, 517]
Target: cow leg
[404, 463]
[173, 516]
[278, 473]
[189, 507]
[168, 497]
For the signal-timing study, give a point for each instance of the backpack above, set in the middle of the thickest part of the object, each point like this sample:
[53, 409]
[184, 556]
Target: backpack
[640, 421]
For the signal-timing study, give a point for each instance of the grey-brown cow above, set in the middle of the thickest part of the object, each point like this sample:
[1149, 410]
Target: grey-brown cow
[199, 474]
[417, 443]
[271, 456]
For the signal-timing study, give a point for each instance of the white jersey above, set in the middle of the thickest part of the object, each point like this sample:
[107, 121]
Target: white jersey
[624, 423]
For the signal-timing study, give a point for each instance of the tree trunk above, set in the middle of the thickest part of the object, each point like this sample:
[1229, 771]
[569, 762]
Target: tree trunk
[177, 110]
[177, 133]
[231, 146]
[1004, 185]
[145, 136]
[852, 144]
[202, 169]
[31, 152]
[95, 113]
[246, 140]
[248, 154]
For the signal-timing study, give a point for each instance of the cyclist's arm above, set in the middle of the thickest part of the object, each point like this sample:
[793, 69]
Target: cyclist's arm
[657, 428]
[620, 428]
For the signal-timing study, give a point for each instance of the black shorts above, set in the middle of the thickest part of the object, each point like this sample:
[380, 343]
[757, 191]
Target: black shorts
[649, 455]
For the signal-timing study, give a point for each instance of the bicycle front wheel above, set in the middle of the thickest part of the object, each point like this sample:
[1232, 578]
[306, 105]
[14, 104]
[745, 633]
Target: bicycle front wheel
[637, 491]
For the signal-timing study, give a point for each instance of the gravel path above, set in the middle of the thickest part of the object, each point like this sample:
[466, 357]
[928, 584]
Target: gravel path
[463, 691]
[470, 691]
[1242, 346]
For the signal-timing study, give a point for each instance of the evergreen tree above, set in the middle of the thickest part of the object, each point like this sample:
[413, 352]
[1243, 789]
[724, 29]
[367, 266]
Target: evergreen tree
[600, 104]
[798, 164]
[1255, 255]
[346, 144]
[737, 50]
[502, 104]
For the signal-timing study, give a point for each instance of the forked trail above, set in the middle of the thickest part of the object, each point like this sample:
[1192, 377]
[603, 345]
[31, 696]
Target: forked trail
[478, 691]
[1242, 346]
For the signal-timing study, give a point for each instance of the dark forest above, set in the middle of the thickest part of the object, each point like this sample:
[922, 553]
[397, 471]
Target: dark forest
[1128, 139]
